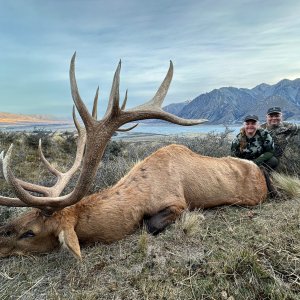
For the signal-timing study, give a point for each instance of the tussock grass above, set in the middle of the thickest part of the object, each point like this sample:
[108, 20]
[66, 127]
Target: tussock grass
[222, 253]
[143, 242]
[190, 222]
[289, 185]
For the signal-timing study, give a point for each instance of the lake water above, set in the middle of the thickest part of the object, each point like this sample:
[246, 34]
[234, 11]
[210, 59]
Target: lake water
[168, 129]
[142, 128]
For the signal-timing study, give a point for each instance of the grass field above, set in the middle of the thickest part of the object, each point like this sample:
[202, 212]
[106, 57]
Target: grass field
[223, 253]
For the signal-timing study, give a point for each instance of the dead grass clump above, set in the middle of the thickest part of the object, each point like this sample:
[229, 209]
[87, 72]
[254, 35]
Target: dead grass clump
[289, 185]
[250, 275]
[143, 242]
[189, 223]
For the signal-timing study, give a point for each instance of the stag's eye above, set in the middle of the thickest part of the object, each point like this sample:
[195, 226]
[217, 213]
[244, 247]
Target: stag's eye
[27, 234]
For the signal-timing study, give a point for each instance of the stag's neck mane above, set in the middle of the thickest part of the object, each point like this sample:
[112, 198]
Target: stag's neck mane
[120, 208]
[113, 213]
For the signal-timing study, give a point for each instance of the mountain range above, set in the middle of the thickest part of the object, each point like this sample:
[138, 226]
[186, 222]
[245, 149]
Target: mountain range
[226, 105]
[229, 105]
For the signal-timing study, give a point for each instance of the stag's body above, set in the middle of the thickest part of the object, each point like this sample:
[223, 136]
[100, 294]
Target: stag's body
[173, 178]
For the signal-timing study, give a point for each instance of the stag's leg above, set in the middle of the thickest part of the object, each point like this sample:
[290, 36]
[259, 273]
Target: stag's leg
[158, 222]
[272, 191]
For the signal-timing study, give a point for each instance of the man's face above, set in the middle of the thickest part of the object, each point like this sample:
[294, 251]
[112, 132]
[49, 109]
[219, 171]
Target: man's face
[274, 119]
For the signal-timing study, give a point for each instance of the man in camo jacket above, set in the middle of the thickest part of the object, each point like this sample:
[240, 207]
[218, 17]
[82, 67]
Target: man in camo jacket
[280, 131]
[254, 143]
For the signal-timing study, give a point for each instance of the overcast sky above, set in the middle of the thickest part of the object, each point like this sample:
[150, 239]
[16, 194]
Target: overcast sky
[212, 44]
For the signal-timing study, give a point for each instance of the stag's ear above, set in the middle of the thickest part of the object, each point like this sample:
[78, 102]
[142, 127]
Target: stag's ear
[69, 240]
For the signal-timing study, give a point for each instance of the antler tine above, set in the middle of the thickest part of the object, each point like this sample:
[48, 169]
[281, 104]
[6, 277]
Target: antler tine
[124, 101]
[152, 109]
[64, 178]
[12, 202]
[46, 191]
[80, 145]
[6, 160]
[94, 113]
[26, 185]
[123, 108]
[12, 180]
[127, 129]
[162, 115]
[160, 95]
[77, 125]
[85, 115]
[45, 161]
[8, 201]
[1, 162]
[113, 108]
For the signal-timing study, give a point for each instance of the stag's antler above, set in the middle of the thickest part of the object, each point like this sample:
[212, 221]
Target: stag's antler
[98, 134]
[62, 178]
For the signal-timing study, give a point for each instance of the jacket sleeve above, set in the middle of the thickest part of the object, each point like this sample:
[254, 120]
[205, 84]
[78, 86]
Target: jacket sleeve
[289, 129]
[295, 129]
[263, 157]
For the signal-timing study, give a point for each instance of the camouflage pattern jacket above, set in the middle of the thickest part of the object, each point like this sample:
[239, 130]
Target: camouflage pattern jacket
[259, 148]
[281, 135]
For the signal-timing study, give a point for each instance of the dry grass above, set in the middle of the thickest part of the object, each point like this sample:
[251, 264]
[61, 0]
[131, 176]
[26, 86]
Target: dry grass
[222, 253]
[245, 253]
[290, 185]
[190, 223]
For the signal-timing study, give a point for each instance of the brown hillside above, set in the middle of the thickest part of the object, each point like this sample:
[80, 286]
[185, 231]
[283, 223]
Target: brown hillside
[10, 118]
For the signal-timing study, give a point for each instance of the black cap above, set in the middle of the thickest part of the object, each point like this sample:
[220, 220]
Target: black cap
[274, 110]
[251, 117]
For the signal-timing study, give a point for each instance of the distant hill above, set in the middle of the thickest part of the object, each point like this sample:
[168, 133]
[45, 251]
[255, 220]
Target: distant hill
[229, 105]
[175, 108]
[8, 118]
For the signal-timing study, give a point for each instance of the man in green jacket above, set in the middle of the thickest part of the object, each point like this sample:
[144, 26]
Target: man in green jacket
[280, 131]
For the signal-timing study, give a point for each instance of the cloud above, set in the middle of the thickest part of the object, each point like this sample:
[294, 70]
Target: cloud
[212, 44]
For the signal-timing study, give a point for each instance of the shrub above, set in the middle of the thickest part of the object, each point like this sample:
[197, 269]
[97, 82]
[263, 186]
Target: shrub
[32, 138]
[113, 150]
[69, 142]
[290, 161]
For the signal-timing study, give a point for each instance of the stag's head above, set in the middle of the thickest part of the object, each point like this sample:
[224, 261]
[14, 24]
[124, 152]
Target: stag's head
[44, 228]
[34, 232]
[30, 233]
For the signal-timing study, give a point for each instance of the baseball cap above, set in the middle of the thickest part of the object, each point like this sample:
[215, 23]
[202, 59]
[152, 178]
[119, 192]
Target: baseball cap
[275, 109]
[251, 117]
